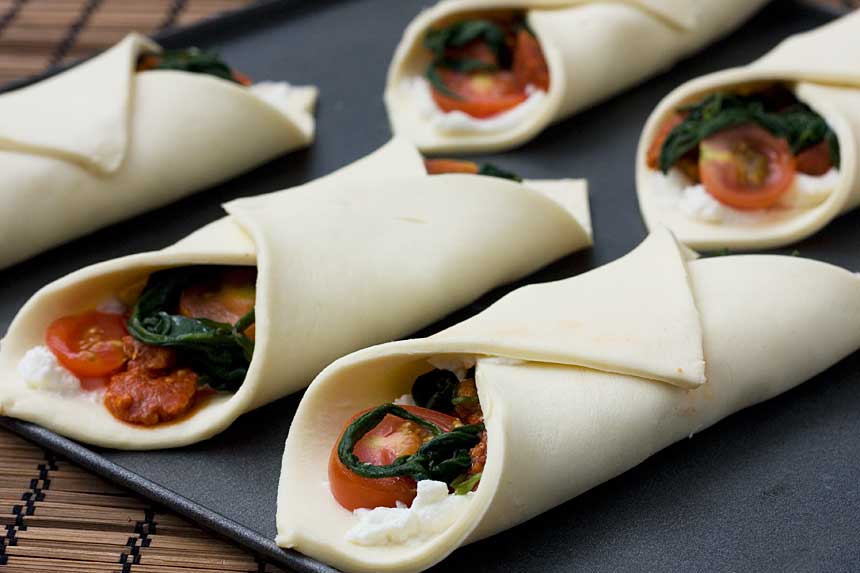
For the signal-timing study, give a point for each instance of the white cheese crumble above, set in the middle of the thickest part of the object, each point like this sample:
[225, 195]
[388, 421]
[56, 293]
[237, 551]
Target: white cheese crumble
[457, 364]
[276, 94]
[418, 90]
[810, 190]
[112, 305]
[405, 400]
[433, 511]
[676, 190]
[41, 371]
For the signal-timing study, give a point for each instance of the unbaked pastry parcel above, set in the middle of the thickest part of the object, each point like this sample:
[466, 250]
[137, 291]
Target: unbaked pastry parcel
[762, 155]
[167, 348]
[129, 130]
[484, 75]
[401, 453]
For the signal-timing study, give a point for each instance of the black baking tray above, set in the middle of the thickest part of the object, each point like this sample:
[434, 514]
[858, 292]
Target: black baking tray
[775, 487]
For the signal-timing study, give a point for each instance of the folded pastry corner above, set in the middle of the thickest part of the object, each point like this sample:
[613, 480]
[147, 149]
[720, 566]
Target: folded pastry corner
[167, 348]
[400, 453]
[477, 76]
[129, 130]
[762, 155]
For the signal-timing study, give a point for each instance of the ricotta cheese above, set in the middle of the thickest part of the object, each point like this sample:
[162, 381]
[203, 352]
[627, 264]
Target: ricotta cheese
[40, 370]
[405, 400]
[459, 365]
[418, 90]
[433, 511]
[112, 305]
[675, 190]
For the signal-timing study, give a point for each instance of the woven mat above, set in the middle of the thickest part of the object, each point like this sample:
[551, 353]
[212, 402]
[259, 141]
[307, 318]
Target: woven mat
[37, 34]
[55, 516]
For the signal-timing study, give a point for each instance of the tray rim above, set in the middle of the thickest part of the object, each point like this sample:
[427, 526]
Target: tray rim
[259, 11]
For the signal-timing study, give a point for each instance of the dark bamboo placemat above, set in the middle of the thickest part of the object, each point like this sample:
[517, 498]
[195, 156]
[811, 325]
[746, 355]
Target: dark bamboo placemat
[57, 517]
[38, 34]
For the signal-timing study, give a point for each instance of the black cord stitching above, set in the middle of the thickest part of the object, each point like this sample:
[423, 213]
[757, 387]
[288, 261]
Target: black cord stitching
[173, 11]
[10, 14]
[68, 42]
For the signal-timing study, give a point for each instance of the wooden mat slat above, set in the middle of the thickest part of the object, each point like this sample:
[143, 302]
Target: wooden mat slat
[53, 551]
[52, 535]
[36, 565]
[93, 499]
[212, 544]
[12, 439]
[201, 561]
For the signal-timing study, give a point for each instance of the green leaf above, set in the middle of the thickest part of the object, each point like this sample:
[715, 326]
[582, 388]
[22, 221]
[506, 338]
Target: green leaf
[491, 170]
[220, 353]
[444, 457]
[464, 66]
[196, 61]
[465, 483]
[435, 390]
[799, 125]
[433, 77]
[457, 35]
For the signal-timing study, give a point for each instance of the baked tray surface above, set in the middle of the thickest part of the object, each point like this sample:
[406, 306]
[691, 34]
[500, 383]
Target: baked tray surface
[775, 487]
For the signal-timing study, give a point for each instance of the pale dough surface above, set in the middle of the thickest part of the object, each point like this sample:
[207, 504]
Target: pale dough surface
[101, 142]
[347, 261]
[823, 70]
[594, 49]
[570, 415]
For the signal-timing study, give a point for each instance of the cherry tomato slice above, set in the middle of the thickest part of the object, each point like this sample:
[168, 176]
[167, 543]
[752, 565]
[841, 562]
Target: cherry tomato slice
[392, 438]
[670, 123]
[242, 78]
[746, 167]
[227, 299]
[530, 67]
[814, 160]
[148, 62]
[89, 344]
[475, 50]
[439, 166]
[480, 94]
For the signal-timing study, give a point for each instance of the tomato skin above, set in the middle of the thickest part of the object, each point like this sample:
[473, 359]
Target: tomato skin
[670, 123]
[530, 67]
[227, 299]
[242, 79]
[440, 166]
[148, 62]
[814, 160]
[489, 93]
[481, 94]
[746, 167]
[89, 344]
[392, 438]
[474, 50]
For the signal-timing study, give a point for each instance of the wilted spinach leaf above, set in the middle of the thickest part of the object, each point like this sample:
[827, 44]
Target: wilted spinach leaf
[491, 170]
[797, 124]
[220, 353]
[196, 61]
[444, 457]
[435, 390]
[457, 35]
